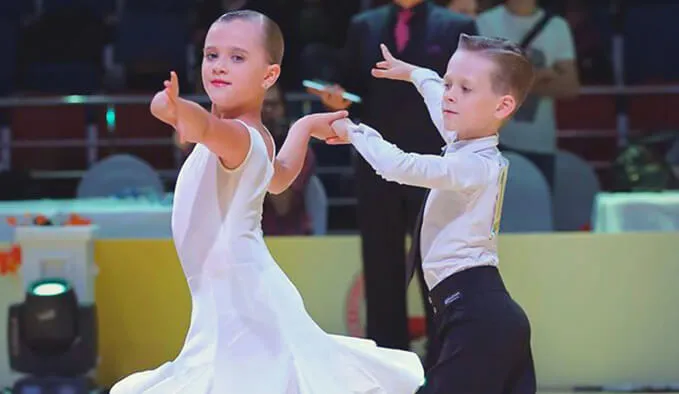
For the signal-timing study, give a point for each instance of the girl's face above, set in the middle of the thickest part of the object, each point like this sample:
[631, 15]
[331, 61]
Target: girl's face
[236, 71]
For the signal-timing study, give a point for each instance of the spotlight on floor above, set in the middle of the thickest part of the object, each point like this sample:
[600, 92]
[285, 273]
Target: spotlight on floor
[52, 339]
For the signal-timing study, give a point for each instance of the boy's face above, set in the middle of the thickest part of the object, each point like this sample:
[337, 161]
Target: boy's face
[470, 105]
[235, 67]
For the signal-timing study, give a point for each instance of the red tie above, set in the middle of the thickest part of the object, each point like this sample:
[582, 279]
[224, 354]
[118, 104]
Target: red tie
[402, 31]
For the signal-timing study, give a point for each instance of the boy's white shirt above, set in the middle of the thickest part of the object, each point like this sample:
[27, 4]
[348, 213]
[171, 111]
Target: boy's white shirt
[462, 212]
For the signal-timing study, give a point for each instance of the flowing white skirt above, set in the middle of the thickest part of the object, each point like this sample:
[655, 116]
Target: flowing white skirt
[250, 334]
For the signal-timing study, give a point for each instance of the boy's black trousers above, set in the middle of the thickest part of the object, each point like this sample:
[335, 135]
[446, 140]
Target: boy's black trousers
[484, 337]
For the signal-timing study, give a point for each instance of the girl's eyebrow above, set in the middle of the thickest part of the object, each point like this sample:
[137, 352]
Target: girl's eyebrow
[234, 49]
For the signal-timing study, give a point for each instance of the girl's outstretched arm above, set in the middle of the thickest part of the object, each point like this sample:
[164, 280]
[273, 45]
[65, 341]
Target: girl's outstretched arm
[227, 138]
[290, 159]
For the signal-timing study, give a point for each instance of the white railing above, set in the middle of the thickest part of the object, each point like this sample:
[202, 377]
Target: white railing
[92, 142]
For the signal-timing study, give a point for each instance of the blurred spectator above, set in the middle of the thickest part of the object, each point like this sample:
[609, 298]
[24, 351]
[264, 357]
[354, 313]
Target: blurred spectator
[422, 33]
[151, 38]
[466, 7]
[532, 130]
[67, 38]
[285, 213]
[592, 41]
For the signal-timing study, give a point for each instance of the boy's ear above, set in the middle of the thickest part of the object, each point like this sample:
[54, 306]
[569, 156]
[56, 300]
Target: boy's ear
[272, 74]
[505, 107]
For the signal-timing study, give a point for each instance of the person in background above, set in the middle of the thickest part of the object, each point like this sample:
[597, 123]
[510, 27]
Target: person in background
[532, 131]
[285, 213]
[421, 32]
[466, 7]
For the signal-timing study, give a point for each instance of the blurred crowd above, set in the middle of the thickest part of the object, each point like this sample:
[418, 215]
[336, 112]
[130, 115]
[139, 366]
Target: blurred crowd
[67, 47]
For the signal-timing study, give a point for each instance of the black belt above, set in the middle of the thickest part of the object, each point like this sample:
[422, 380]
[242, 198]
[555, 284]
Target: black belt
[460, 284]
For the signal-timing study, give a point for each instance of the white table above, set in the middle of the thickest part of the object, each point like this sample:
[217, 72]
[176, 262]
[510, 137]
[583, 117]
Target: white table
[636, 212]
[115, 217]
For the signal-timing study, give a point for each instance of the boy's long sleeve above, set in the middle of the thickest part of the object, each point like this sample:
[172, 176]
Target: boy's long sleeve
[430, 85]
[454, 171]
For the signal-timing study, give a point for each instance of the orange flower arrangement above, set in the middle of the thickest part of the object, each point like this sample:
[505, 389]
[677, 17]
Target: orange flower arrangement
[10, 259]
[42, 220]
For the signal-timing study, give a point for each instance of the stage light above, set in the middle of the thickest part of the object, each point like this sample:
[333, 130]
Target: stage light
[49, 318]
[52, 339]
[48, 288]
[52, 334]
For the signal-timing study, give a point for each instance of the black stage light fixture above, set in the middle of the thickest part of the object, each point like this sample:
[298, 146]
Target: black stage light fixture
[52, 339]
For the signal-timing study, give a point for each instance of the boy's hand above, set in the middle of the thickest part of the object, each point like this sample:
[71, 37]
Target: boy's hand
[341, 128]
[391, 67]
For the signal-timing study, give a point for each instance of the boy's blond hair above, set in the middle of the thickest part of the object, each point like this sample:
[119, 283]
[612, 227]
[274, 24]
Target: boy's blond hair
[514, 73]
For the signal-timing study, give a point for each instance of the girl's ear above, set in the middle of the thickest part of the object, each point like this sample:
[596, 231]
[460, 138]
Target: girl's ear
[272, 73]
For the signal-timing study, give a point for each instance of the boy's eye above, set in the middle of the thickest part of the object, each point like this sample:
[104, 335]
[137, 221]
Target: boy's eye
[447, 85]
[210, 56]
[465, 89]
[237, 58]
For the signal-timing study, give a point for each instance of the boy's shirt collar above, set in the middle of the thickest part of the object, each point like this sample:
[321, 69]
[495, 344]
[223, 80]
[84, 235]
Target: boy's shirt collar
[474, 145]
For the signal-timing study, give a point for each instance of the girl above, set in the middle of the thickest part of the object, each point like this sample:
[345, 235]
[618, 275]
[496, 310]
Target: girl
[250, 332]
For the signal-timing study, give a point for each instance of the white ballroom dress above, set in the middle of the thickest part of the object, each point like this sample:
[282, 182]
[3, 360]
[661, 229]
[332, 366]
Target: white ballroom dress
[250, 332]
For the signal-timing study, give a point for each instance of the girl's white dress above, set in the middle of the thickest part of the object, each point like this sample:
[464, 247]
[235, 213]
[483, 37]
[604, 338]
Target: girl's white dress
[250, 332]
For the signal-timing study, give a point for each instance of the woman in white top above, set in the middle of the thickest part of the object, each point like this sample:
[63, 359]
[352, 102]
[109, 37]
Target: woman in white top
[250, 332]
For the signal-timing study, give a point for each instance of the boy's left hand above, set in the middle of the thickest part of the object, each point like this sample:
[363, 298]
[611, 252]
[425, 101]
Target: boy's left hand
[391, 67]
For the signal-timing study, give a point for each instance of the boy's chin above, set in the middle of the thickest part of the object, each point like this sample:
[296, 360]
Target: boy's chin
[451, 125]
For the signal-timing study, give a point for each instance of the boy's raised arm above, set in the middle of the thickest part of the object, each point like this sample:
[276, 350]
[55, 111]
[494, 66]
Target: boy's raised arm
[427, 82]
[430, 86]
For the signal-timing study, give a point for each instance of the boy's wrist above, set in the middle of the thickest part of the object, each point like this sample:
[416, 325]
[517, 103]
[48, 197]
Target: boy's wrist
[412, 69]
[420, 74]
[413, 75]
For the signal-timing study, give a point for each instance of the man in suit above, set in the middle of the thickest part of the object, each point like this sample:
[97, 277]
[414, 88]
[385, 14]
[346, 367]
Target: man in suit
[419, 32]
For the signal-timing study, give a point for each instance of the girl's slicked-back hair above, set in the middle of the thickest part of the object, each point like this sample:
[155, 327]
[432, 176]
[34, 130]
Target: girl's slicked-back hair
[272, 35]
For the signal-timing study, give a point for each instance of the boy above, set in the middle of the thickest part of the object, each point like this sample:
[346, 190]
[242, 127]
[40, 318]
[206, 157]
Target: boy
[484, 334]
